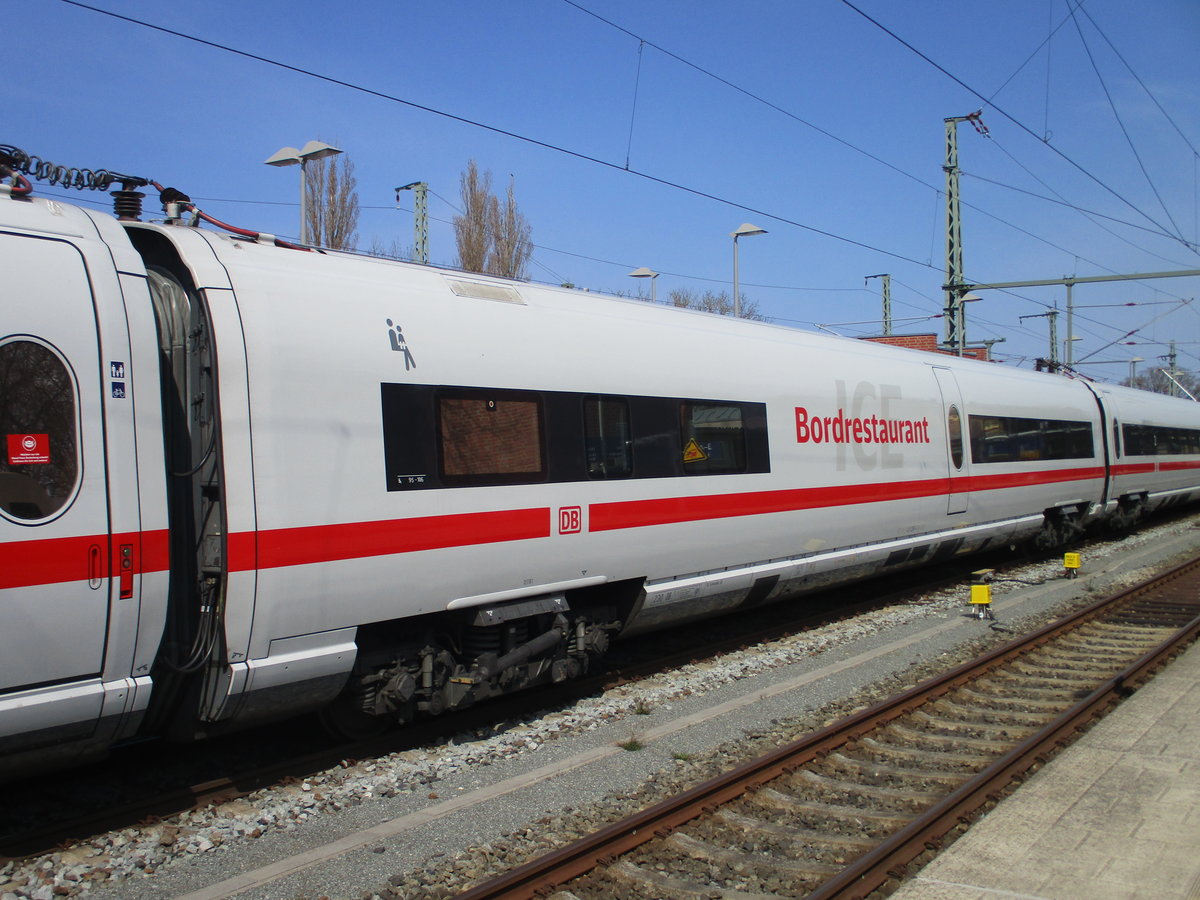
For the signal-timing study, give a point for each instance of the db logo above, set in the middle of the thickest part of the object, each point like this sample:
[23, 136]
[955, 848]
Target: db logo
[570, 520]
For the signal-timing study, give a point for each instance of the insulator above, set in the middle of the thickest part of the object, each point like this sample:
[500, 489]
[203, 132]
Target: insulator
[171, 195]
[128, 205]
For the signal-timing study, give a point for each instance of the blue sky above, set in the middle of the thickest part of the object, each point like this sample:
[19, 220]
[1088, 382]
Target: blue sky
[819, 126]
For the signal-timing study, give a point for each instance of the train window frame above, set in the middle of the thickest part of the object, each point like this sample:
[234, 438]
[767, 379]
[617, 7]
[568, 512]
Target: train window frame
[22, 485]
[699, 446]
[616, 454]
[533, 439]
[1017, 439]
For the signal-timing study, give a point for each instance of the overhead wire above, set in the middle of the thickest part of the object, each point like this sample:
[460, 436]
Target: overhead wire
[899, 301]
[750, 94]
[1124, 131]
[633, 110]
[1135, 330]
[1036, 50]
[1138, 79]
[1072, 17]
[539, 246]
[602, 162]
[576, 154]
[643, 41]
[1061, 201]
[1021, 125]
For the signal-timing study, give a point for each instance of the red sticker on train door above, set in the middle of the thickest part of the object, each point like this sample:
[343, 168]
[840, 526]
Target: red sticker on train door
[28, 449]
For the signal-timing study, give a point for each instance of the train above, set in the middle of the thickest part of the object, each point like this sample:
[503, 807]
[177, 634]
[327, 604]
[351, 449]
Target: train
[245, 479]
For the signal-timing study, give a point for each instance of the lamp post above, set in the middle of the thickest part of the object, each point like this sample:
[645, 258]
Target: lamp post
[1133, 361]
[744, 229]
[290, 156]
[643, 272]
[1067, 348]
[961, 325]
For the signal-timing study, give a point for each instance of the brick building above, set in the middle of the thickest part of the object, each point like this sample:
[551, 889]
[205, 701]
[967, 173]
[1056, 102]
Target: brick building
[928, 343]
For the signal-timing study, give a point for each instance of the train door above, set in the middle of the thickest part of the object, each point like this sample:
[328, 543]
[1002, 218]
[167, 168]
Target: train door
[955, 418]
[1110, 442]
[54, 510]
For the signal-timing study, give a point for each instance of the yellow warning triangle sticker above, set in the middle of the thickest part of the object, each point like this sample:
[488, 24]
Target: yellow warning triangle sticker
[692, 452]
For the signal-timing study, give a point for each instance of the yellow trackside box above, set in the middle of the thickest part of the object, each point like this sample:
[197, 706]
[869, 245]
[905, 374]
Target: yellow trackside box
[1072, 561]
[981, 594]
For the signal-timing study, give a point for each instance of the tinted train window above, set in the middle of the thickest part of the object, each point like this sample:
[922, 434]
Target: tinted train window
[1160, 440]
[490, 438]
[954, 429]
[40, 466]
[997, 439]
[607, 438]
[714, 438]
[440, 436]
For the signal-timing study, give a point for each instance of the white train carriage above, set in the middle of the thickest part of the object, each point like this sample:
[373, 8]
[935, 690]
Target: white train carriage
[243, 481]
[1156, 451]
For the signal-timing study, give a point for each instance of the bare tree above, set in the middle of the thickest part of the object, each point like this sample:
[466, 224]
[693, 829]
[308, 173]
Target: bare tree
[714, 303]
[511, 246]
[493, 237]
[471, 228]
[394, 250]
[1156, 381]
[332, 202]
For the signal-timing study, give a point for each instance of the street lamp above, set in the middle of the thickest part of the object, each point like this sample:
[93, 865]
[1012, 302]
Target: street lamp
[1133, 361]
[1067, 356]
[960, 311]
[290, 156]
[643, 272]
[744, 229]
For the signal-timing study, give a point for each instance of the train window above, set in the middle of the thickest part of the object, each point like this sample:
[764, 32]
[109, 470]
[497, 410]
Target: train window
[607, 437]
[38, 418]
[442, 436]
[492, 437]
[714, 438]
[1160, 440]
[996, 439]
[954, 430]
[1116, 440]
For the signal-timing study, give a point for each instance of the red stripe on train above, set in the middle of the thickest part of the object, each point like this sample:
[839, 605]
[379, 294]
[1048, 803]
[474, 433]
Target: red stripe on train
[1177, 466]
[1025, 479]
[640, 513]
[63, 560]
[59, 560]
[326, 543]
[1133, 468]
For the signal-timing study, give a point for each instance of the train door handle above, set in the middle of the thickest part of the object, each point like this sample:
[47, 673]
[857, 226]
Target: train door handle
[95, 573]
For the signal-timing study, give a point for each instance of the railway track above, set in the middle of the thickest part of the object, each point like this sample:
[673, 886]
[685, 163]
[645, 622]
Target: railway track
[850, 809]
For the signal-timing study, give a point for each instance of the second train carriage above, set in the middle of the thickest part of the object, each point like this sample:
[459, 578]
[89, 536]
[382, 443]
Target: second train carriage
[244, 481]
